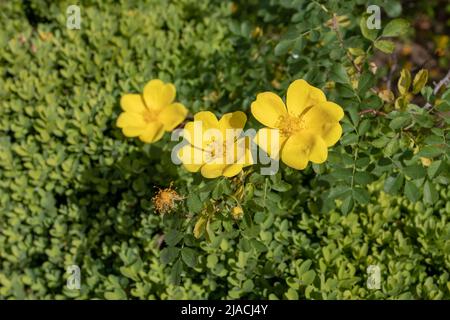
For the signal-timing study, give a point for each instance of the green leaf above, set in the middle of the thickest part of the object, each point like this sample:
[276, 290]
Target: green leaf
[304, 267]
[291, 294]
[248, 285]
[380, 142]
[173, 237]
[395, 28]
[361, 195]
[427, 92]
[193, 203]
[244, 245]
[430, 152]
[385, 46]
[434, 168]
[370, 34]
[430, 194]
[246, 29]
[189, 256]
[392, 8]
[169, 254]
[211, 261]
[391, 148]
[364, 127]
[117, 294]
[175, 273]
[411, 191]
[338, 74]
[278, 184]
[366, 81]
[298, 46]
[363, 178]
[347, 204]
[399, 122]
[415, 171]
[283, 47]
[258, 245]
[349, 139]
[308, 277]
[393, 184]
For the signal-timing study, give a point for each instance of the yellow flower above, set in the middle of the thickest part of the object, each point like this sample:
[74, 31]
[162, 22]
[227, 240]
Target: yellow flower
[304, 130]
[216, 147]
[149, 115]
[237, 212]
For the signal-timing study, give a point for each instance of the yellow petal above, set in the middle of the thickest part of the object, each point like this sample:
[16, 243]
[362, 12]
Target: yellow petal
[192, 167]
[232, 170]
[158, 94]
[191, 158]
[172, 115]
[132, 131]
[238, 152]
[331, 133]
[208, 119]
[332, 111]
[152, 132]
[128, 119]
[189, 134]
[232, 120]
[243, 151]
[212, 170]
[301, 95]
[267, 109]
[132, 103]
[322, 119]
[199, 132]
[270, 141]
[302, 147]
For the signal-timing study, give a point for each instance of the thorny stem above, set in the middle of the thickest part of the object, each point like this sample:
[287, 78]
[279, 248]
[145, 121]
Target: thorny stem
[335, 27]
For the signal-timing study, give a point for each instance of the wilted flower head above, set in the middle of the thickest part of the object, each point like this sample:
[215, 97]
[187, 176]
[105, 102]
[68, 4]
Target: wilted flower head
[165, 200]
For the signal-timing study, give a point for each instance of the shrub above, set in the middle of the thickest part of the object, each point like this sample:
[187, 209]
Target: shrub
[74, 190]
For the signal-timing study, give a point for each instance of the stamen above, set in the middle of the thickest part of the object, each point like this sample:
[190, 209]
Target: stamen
[149, 115]
[289, 125]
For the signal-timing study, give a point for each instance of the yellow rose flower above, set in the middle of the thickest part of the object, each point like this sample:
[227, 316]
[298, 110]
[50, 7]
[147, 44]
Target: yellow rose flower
[216, 147]
[306, 128]
[149, 115]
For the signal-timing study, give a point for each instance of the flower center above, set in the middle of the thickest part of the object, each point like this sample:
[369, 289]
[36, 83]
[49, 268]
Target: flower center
[216, 149]
[149, 115]
[288, 124]
[224, 152]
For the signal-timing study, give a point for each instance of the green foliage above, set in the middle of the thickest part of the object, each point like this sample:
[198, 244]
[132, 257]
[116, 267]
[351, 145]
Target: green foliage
[75, 191]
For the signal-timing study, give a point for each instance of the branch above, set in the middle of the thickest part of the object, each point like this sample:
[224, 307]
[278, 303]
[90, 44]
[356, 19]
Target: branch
[372, 112]
[444, 82]
[391, 73]
[335, 28]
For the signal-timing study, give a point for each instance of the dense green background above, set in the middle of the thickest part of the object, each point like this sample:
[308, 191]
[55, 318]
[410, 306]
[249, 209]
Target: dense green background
[73, 190]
